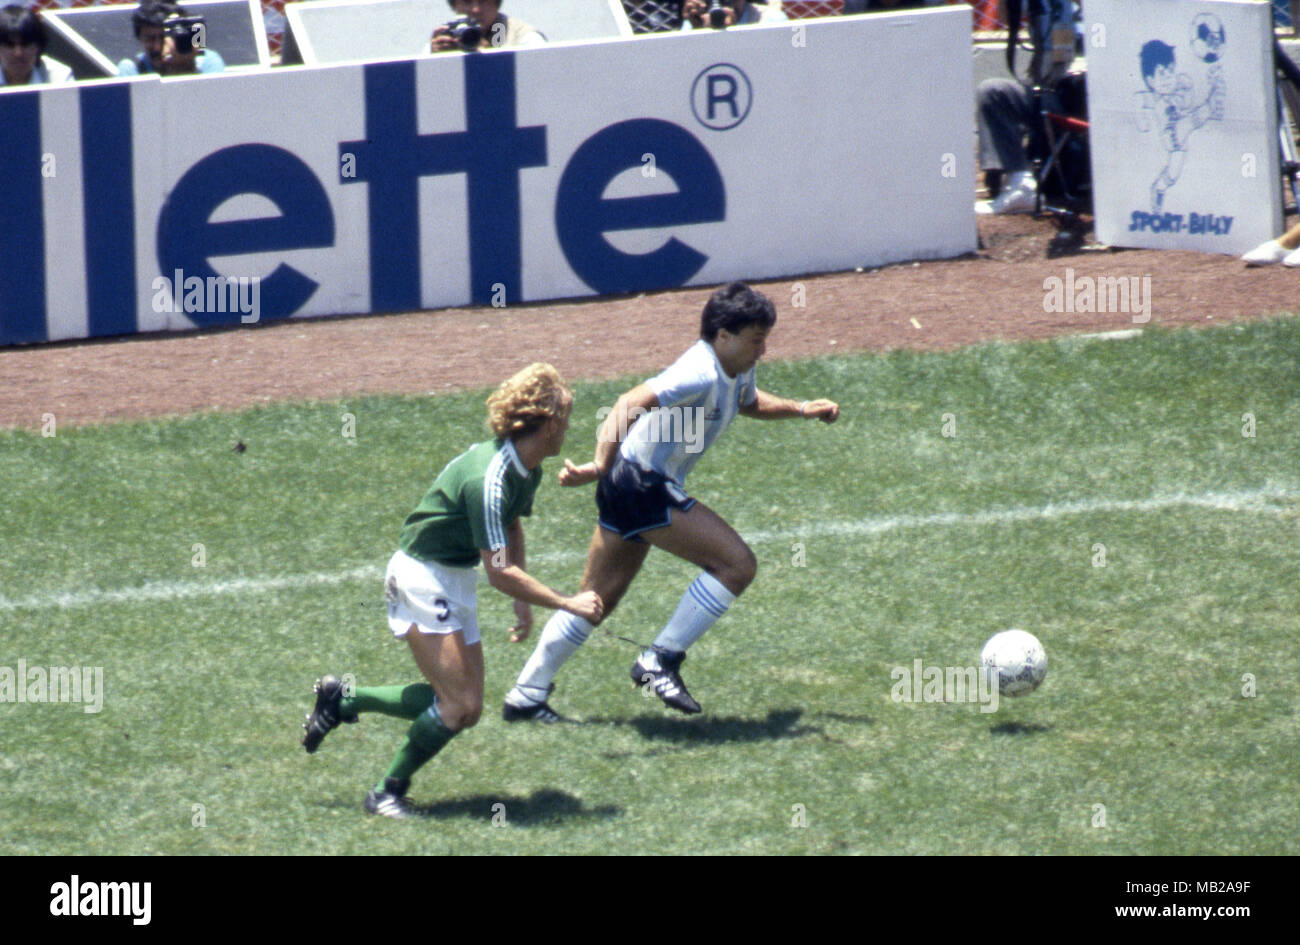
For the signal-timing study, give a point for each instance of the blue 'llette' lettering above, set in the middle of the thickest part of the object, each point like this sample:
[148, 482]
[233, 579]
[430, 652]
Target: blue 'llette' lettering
[22, 237]
[391, 158]
[490, 152]
[108, 196]
[582, 215]
[186, 238]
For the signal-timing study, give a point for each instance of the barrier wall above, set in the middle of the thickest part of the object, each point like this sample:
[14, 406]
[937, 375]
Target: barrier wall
[491, 178]
[325, 31]
[93, 40]
[1184, 131]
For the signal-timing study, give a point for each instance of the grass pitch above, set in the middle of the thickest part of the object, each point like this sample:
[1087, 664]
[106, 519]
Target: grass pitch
[1132, 503]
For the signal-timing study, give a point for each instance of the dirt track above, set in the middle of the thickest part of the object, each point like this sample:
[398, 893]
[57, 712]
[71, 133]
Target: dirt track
[998, 293]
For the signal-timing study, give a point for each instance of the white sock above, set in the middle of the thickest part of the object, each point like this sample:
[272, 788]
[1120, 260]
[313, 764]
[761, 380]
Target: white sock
[560, 639]
[703, 603]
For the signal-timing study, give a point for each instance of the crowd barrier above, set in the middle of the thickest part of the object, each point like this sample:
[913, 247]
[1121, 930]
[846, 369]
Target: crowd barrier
[495, 178]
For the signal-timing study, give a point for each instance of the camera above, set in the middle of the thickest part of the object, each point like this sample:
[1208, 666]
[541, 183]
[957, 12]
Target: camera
[718, 13]
[184, 30]
[466, 31]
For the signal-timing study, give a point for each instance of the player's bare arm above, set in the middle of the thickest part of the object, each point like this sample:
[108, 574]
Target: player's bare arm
[627, 409]
[771, 407]
[523, 610]
[512, 580]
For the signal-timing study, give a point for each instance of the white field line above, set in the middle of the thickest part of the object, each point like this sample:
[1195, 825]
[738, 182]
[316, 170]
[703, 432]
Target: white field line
[1253, 501]
[1257, 501]
[1119, 335]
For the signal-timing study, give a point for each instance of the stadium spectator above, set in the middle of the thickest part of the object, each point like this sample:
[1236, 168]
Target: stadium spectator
[695, 13]
[1285, 249]
[495, 28]
[22, 50]
[1007, 115]
[168, 50]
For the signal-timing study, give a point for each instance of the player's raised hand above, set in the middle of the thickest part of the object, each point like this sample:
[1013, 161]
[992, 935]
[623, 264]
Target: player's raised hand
[572, 475]
[523, 622]
[586, 605]
[827, 411]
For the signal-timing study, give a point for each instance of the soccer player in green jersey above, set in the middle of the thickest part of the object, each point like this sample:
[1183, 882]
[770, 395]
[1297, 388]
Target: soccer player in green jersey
[471, 513]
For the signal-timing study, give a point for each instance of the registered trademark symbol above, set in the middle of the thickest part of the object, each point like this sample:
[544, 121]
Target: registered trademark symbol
[721, 96]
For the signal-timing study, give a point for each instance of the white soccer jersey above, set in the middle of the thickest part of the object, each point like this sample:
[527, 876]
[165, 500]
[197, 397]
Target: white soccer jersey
[697, 401]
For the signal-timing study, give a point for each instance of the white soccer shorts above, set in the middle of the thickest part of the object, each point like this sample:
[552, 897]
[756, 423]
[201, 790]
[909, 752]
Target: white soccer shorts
[434, 597]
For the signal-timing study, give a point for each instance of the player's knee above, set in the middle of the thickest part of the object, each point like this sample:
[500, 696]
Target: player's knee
[461, 712]
[739, 572]
[748, 567]
[472, 715]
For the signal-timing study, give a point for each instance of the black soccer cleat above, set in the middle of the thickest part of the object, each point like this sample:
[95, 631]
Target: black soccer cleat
[542, 712]
[666, 681]
[391, 802]
[326, 716]
[538, 712]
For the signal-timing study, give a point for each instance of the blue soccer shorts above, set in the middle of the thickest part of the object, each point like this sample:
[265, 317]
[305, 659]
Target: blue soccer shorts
[631, 500]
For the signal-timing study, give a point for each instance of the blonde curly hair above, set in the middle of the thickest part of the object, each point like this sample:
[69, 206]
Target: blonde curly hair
[527, 400]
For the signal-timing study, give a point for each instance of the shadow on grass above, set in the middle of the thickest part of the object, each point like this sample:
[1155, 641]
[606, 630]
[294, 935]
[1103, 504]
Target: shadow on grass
[542, 807]
[706, 730]
[841, 717]
[1019, 728]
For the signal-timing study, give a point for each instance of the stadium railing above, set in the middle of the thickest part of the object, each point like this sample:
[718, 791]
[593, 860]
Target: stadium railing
[647, 16]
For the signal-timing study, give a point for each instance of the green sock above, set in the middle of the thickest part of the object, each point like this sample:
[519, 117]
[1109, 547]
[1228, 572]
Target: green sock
[403, 702]
[426, 738]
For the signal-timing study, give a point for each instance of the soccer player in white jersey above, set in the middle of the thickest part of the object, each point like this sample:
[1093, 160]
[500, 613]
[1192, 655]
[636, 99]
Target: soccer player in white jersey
[644, 451]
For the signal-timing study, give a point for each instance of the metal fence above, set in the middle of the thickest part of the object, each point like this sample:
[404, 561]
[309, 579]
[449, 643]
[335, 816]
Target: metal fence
[658, 16]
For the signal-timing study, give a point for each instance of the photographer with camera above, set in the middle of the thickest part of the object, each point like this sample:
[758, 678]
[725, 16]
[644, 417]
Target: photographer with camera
[482, 25]
[720, 14]
[172, 42]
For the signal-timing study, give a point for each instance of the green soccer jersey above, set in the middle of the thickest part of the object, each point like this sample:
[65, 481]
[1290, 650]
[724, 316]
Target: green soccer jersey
[470, 504]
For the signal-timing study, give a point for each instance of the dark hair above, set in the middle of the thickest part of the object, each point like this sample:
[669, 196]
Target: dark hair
[452, 4]
[23, 23]
[154, 13]
[734, 308]
[1155, 54]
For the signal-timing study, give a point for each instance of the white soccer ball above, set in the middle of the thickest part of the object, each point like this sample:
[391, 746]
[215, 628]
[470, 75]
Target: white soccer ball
[1208, 37]
[1016, 660]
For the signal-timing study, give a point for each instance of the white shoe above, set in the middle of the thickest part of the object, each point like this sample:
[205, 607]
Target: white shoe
[1292, 259]
[1019, 198]
[1266, 254]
